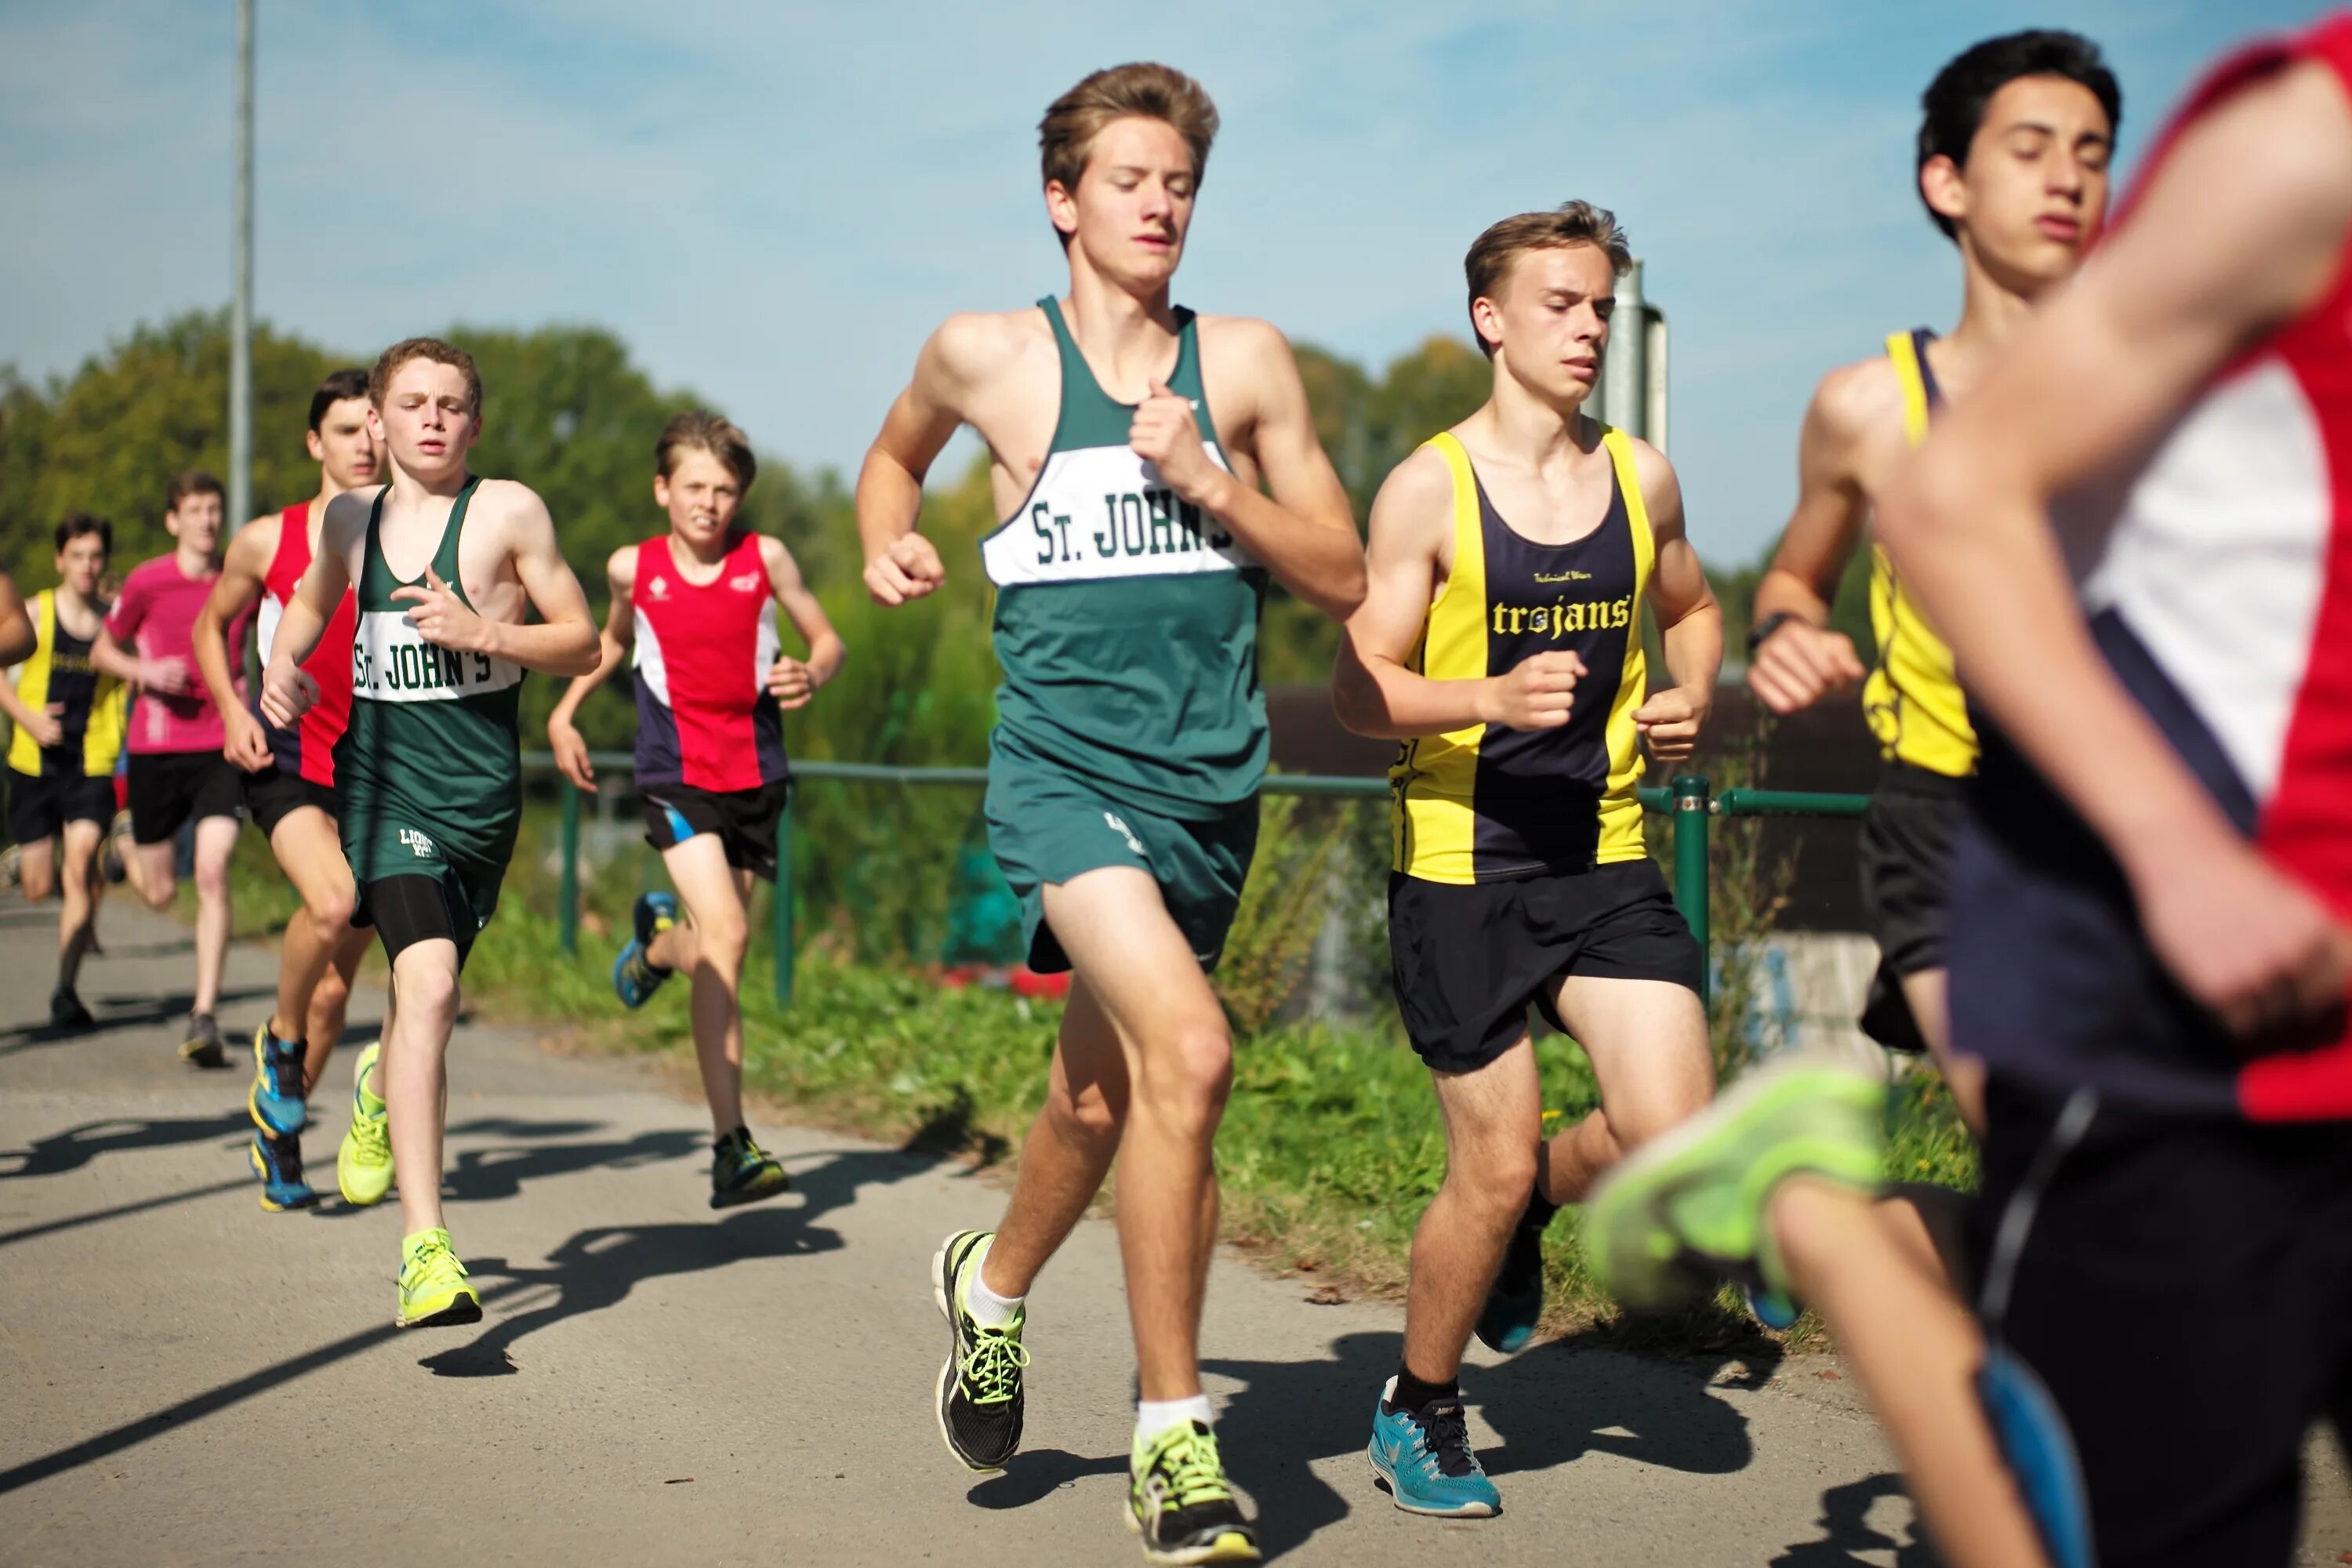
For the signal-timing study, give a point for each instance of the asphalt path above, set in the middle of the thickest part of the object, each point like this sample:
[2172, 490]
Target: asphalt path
[187, 1379]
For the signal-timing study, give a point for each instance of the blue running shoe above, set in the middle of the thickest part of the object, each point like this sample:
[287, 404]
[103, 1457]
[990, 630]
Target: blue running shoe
[278, 1160]
[1770, 1308]
[277, 1100]
[1424, 1456]
[635, 979]
[1515, 1301]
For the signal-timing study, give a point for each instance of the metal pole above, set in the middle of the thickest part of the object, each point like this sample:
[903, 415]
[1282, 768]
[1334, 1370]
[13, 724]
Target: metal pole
[568, 921]
[1625, 372]
[780, 922]
[1653, 425]
[1690, 859]
[240, 310]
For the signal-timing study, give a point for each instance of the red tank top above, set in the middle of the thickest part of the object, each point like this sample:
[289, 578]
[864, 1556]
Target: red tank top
[705, 718]
[308, 749]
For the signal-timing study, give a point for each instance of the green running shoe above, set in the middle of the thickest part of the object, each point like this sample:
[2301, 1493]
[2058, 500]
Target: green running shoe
[744, 1172]
[1179, 1500]
[433, 1287]
[1691, 1204]
[978, 1397]
[363, 1164]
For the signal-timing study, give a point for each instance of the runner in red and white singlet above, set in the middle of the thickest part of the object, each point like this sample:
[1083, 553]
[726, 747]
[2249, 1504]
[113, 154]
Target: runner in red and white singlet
[2152, 907]
[289, 781]
[698, 606]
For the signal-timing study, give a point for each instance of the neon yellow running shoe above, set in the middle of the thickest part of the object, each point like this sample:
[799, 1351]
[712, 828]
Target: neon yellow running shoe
[363, 1164]
[1179, 1500]
[433, 1287]
[1689, 1207]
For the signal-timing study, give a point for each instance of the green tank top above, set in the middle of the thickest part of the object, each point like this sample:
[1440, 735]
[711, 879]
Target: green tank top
[431, 748]
[1125, 618]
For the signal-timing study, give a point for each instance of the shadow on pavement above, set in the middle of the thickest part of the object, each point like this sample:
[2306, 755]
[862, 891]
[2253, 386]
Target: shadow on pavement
[122, 1012]
[1848, 1533]
[596, 1269]
[78, 1146]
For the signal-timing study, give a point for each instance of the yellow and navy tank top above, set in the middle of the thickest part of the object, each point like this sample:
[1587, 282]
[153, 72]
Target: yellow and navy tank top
[1913, 699]
[97, 708]
[1488, 801]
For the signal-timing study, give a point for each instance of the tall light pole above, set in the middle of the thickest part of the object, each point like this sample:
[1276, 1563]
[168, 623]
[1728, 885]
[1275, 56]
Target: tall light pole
[240, 310]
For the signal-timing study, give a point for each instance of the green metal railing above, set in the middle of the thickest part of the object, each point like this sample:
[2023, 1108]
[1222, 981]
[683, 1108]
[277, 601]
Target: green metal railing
[1688, 802]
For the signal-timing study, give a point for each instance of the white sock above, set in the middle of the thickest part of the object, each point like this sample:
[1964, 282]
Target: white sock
[1154, 1416]
[989, 1309]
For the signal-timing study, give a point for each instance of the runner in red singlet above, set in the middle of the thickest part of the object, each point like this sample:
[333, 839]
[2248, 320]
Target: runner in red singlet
[289, 779]
[699, 605]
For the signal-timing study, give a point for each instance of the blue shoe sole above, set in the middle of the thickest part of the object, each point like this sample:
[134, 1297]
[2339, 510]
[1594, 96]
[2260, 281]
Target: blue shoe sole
[1472, 1510]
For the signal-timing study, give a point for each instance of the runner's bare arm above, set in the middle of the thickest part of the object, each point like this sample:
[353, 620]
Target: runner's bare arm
[42, 726]
[1803, 661]
[900, 564]
[564, 642]
[287, 690]
[108, 656]
[563, 736]
[1300, 529]
[1690, 623]
[1373, 692]
[244, 740]
[16, 626]
[793, 681]
[2239, 232]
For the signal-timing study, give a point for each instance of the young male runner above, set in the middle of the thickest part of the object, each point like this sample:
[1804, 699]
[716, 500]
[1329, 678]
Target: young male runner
[1500, 641]
[2154, 975]
[1128, 439]
[2014, 142]
[289, 785]
[68, 720]
[177, 772]
[444, 566]
[697, 605]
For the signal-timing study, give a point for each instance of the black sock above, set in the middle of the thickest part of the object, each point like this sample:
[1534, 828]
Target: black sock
[1541, 1210]
[1412, 1394]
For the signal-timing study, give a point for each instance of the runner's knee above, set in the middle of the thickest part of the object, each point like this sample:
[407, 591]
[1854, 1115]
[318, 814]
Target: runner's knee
[212, 878]
[428, 994]
[1495, 1179]
[1188, 1072]
[330, 915]
[38, 884]
[723, 939]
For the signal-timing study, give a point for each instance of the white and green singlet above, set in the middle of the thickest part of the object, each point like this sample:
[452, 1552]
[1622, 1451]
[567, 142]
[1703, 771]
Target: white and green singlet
[1127, 617]
[429, 771]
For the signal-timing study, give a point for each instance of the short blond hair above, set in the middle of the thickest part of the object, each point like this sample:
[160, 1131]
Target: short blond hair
[387, 366]
[1570, 223]
[1065, 137]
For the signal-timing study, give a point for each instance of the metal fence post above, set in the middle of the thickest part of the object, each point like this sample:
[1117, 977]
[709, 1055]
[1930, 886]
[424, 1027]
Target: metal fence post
[781, 920]
[569, 921]
[1690, 859]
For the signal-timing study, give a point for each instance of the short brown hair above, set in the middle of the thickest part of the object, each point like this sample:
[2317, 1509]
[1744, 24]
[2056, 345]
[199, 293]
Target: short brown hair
[1065, 137]
[191, 482]
[439, 352]
[699, 431]
[1570, 223]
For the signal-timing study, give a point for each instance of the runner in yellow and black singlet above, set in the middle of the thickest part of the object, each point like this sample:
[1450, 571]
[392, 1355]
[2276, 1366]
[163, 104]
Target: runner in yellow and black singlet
[2012, 153]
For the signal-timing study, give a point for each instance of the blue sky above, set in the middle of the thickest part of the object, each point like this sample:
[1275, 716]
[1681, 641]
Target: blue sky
[772, 203]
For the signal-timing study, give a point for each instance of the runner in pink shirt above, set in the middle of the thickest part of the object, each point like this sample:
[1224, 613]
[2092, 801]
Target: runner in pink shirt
[176, 769]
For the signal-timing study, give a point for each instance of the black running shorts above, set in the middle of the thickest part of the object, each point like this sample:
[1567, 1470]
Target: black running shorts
[1469, 961]
[416, 907]
[40, 807]
[273, 795]
[2185, 1291]
[744, 819]
[1905, 851]
[169, 788]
